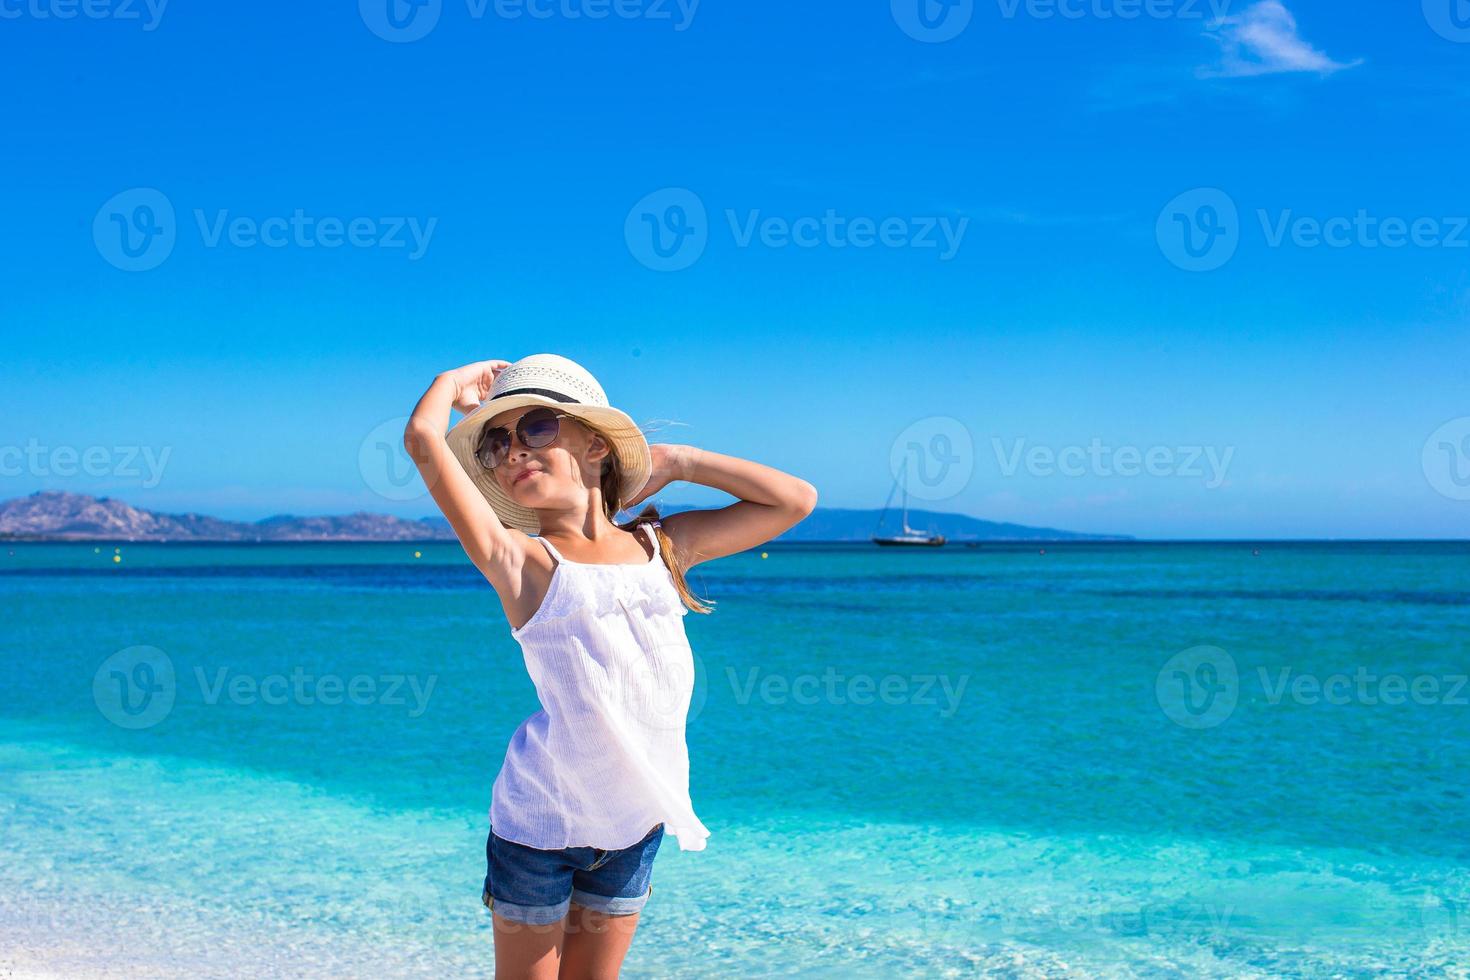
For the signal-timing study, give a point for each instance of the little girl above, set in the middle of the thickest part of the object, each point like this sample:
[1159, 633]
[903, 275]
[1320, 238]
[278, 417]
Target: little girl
[592, 781]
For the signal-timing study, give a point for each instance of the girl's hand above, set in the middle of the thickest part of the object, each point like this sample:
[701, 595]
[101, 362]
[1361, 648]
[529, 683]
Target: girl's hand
[670, 463]
[473, 383]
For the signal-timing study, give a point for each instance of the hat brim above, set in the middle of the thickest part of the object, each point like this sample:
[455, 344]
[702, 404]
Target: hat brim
[628, 443]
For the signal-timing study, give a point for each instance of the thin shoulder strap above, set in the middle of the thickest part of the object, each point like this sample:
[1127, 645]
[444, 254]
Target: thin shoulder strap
[551, 548]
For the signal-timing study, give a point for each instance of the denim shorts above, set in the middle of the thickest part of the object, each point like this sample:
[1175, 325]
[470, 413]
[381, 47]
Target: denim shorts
[537, 887]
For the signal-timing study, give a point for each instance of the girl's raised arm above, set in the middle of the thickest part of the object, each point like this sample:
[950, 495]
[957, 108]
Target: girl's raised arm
[770, 503]
[489, 544]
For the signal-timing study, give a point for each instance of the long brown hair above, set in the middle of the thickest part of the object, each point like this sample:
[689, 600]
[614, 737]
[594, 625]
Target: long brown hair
[612, 502]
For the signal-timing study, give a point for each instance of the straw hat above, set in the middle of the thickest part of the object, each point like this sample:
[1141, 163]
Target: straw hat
[562, 384]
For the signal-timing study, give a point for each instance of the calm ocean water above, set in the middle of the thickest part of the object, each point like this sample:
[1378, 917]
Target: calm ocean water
[1107, 760]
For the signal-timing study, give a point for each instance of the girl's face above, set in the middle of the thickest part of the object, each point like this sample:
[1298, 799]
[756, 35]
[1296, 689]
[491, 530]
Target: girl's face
[558, 474]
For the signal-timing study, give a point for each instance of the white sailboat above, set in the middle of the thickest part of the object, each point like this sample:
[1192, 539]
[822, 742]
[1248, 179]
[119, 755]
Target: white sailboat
[909, 537]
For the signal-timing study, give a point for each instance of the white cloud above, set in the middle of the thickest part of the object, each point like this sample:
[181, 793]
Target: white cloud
[1263, 40]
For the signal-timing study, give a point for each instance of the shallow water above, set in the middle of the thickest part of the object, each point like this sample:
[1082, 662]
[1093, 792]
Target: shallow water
[952, 762]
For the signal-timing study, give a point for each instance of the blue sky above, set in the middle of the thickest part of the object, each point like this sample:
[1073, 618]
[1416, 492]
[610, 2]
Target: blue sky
[1065, 317]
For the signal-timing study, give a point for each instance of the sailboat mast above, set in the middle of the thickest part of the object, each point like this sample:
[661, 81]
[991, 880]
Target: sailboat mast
[906, 528]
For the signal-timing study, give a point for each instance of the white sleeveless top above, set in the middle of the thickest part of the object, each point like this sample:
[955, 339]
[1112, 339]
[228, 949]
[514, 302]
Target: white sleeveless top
[604, 760]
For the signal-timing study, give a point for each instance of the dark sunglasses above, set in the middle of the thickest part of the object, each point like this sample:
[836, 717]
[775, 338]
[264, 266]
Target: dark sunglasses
[537, 429]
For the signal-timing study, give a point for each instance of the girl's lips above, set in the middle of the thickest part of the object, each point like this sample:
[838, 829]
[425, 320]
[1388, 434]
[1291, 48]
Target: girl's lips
[526, 474]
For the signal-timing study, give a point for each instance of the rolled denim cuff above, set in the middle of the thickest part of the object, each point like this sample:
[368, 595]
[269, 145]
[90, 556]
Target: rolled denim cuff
[531, 915]
[611, 906]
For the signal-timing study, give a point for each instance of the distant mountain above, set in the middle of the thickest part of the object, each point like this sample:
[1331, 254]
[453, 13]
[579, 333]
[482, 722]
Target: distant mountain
[838, 524]
[53, 515]
[56, 516]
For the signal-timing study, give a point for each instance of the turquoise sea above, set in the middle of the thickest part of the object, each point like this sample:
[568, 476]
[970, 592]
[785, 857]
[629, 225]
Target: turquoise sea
[1130, 760]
